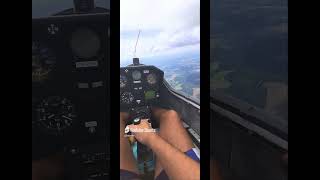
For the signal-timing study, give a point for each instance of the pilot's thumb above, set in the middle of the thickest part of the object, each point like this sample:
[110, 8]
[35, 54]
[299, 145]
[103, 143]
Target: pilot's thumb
[132, 126]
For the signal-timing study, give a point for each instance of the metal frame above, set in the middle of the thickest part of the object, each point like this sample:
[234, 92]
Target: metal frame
[273, 129]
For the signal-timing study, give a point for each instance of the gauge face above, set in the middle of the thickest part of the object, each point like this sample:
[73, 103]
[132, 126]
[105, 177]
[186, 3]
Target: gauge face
[123, 81]
[136, 75]
[152, 79]
[55, 114]
[43, 63]
[127, 98]
[150, 95]
[85, 43]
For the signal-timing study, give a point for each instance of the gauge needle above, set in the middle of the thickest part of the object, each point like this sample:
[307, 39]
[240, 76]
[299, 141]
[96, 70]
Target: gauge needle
[58, 126]
[67, 117]
[52, 115]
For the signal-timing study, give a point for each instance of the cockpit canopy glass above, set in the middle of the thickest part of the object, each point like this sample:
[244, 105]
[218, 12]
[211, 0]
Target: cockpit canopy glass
[249, 52]
[169, 39]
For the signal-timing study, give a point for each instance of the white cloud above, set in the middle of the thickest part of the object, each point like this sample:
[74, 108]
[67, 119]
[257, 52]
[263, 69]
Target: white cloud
[167, 26]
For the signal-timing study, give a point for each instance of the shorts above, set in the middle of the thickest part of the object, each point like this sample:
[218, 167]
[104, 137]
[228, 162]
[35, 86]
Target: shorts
[127, 175]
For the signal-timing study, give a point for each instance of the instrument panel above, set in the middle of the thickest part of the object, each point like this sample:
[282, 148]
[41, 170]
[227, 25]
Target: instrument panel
[70, 92]
[139, 85]
[70, 62]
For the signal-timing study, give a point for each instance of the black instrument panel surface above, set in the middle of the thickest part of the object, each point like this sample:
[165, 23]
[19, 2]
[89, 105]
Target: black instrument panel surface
[70, 60]
[139, 85]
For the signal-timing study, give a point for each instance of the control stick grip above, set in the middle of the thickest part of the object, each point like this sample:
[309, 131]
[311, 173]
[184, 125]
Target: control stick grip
[139, 113]
[136, 121]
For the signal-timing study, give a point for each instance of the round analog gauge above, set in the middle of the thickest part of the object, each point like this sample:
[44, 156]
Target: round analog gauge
[55, 114]
[136, 75]
[127, 98]
[43, 63]
[152, 79]
[123, 81]
[85, 43]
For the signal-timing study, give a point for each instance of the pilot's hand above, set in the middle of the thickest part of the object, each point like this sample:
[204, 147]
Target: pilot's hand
[143, 132]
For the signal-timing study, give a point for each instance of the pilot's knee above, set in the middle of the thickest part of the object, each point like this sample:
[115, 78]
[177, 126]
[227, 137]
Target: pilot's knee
[170, 115]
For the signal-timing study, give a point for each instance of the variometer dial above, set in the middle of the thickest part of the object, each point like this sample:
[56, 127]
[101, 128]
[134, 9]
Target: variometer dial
[152, 79]
[55, 114]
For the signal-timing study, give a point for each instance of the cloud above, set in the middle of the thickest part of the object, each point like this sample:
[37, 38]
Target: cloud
[167, 27]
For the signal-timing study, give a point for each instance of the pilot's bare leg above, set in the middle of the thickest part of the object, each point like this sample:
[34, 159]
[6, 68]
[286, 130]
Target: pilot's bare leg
[172, 130]
[127, 161]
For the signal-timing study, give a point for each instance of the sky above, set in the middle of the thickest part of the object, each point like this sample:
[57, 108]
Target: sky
[169, 28]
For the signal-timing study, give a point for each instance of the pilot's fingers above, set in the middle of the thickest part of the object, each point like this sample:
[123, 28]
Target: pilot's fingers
[138, 128]
[145, 123]
[145, 120]
[132, 126]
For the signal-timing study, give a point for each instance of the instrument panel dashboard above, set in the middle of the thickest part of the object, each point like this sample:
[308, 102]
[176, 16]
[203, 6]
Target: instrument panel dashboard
[70, 91]
[139, 85]
[70, 65]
